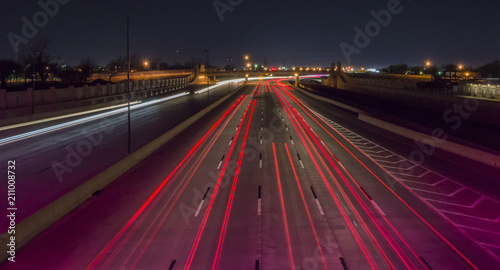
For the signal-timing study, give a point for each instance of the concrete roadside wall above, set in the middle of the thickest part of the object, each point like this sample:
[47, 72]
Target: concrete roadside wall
[487, 113]
[482, 90]
[41, 220]
[13, 103]
[57, 102]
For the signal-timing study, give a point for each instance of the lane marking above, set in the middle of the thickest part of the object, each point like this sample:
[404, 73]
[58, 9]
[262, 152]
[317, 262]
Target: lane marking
[344, 265]
[317, 201]
[201, 203]
[199, 208]
[320, 208]
[378, 208]
[222, 159]
[426, 264]
[259, 201]
[172, 265]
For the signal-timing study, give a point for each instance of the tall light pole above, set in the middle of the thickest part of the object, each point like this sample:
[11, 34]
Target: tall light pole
[207, 72]
[129, 142]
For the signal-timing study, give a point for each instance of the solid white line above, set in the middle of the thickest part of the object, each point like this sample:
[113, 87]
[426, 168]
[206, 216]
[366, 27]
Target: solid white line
[220, 163]
[378, 207]
[259, 206]
[199, 208]
[320, 208]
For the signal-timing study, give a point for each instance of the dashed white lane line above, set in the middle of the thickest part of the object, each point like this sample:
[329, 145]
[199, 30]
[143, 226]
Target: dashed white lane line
[378, 208]
[199, 208]
[320, 208]
[259, 207]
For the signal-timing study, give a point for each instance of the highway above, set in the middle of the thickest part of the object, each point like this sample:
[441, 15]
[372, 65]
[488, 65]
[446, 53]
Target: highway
[271, 179]
[63, 153]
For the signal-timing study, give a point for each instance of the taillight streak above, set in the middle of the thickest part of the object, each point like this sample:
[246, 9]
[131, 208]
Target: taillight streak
[178, 192]
[110, 244]
[212, 199]
[380, 180]
[336, 200]
[306, 207]
[283, 212]
[231, 196]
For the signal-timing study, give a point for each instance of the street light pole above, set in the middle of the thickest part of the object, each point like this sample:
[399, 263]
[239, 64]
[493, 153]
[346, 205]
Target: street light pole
[129, 142]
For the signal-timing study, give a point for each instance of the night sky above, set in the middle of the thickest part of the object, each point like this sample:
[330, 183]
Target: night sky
[286, 32]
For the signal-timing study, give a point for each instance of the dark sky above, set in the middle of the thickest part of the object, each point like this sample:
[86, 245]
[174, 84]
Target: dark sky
[289, 32]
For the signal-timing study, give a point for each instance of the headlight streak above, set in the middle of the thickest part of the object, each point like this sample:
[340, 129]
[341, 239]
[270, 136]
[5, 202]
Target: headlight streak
[42, 131]
[252, 79]
[63, 116]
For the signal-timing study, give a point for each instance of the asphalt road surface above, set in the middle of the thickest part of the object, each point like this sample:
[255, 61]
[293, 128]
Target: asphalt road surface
[271, 179]
[52, 163]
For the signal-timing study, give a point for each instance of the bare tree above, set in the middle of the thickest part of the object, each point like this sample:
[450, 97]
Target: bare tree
[116, 65]
[86, 69]
[7, 67]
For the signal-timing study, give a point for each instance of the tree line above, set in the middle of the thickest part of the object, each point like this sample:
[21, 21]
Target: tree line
[45, 68]
[488, 70]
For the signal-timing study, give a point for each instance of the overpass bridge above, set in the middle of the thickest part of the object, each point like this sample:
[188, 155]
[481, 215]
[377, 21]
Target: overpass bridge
[280, 73]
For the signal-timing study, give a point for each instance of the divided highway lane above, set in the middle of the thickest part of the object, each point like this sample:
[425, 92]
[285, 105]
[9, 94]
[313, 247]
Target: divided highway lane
[424, 232]
[51, 164]
[256, 184]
